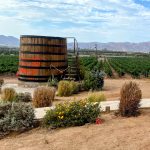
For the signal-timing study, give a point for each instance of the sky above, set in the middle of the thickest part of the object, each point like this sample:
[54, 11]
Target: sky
[87, 20]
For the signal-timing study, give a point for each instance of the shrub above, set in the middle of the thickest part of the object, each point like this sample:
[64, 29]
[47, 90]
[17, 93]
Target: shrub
[52, 82]
[23, 97]
[63, 88]
[130, 99]
[94, 80]
[74, 86]
[96, 97]
[43, 96]
[8, 94]
[67, 88]
[72, 114]
[15, 117]
[82, 71]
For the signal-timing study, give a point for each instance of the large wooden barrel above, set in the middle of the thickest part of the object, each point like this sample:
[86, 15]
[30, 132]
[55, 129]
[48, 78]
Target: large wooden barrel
[41, 56]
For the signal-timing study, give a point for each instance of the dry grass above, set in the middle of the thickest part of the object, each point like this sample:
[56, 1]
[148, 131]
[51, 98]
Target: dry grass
[67, 88]
[130, 98]
[8, 94]
[96, 97]
[43, 96]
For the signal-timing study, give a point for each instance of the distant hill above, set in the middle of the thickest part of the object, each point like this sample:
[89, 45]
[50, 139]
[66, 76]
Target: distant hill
[125, 46]
[9, 41]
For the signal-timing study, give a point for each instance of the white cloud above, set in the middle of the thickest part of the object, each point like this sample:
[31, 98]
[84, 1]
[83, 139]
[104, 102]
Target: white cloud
[100, 20]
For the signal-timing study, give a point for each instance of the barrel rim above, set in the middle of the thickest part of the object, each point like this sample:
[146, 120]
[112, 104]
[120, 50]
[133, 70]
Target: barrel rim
[41, 36]
[43, 67]
[30, 80]
[41, 53]
[42, 60]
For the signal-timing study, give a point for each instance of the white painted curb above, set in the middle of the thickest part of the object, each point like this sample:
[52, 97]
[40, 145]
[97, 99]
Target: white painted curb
[114, 105]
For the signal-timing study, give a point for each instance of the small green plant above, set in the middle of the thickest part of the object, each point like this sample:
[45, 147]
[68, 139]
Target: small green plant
[130, 99]
[15, 117]
[72, 114]
[43, 96]
[8, 94]
[52, 81]
[96, 97]
[67, 88]
[23, 97]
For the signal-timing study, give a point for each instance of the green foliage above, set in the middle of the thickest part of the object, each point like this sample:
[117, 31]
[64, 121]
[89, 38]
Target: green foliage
[8, 94]
[23, 97]
[107, 69]
[94, 80]
[8, 64]
[135, 66]
[89, 63]
[4, 50]
[67, 88]
[15, 117]
[72, 114]
[130, 99]
[43, 96]
[96, 97]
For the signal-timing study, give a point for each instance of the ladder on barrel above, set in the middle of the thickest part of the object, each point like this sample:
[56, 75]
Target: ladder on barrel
[72, 72]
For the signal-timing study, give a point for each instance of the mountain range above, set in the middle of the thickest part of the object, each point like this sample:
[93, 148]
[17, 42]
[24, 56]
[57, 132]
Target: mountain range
[115, 46]
[11, 41]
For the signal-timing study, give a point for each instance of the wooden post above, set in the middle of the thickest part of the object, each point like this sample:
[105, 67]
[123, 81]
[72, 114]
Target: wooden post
[107, 109]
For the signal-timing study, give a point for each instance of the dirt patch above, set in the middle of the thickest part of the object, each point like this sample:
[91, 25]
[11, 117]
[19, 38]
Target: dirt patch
[115, 133]
[112, 89]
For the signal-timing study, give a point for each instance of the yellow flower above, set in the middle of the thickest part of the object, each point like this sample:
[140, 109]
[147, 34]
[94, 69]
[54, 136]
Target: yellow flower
[62, 117]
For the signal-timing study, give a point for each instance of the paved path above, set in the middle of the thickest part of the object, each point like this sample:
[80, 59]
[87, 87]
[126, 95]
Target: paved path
[114, 105]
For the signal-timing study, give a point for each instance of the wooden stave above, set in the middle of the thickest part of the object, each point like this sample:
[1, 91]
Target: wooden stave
[32, 48]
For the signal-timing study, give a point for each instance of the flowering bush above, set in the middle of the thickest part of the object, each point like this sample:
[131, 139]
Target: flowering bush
[72, 114]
